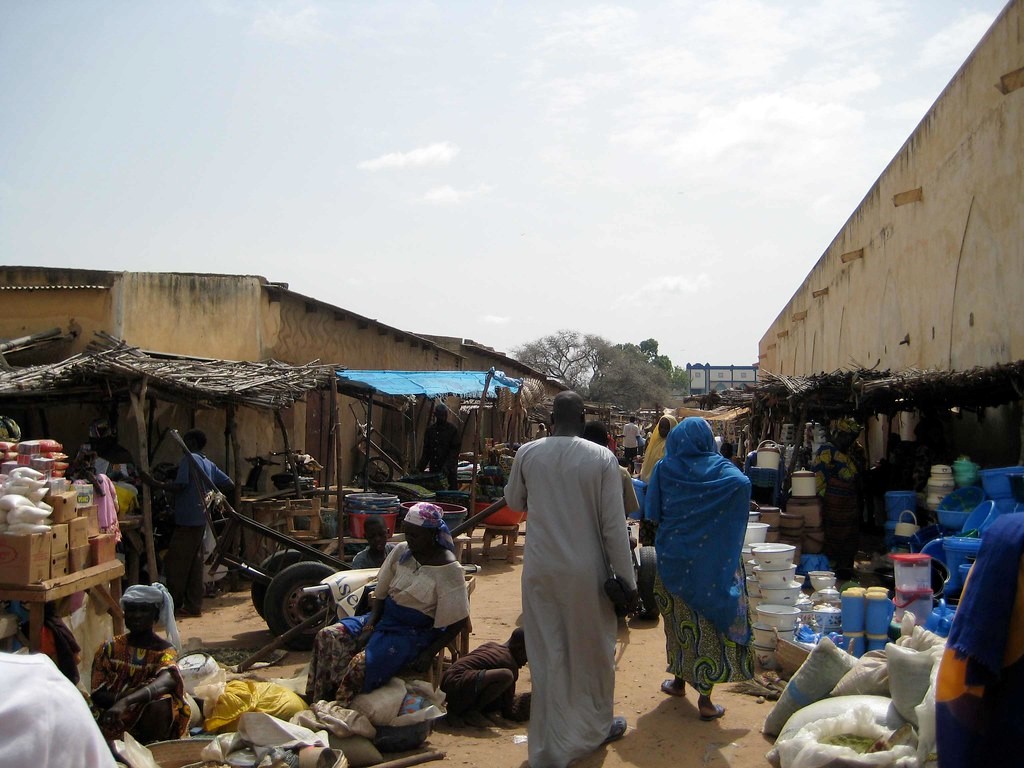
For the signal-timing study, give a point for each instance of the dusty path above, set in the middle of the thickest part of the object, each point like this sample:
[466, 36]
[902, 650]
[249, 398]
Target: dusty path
[664, 732]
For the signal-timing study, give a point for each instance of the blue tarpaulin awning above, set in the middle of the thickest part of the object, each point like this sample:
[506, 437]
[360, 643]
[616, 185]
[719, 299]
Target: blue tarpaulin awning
[426, 383]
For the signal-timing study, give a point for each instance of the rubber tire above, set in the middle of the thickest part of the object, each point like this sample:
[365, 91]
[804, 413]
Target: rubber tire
[272, 566]
[285, 606]
[645, 577]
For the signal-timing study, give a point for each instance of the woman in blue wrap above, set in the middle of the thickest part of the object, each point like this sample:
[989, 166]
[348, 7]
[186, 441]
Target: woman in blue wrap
[420, 603]
[699, 502]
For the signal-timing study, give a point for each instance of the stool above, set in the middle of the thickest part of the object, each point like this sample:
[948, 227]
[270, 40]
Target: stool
[508, 533]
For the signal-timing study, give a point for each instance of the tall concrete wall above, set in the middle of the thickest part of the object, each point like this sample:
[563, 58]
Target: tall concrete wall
[930, 282]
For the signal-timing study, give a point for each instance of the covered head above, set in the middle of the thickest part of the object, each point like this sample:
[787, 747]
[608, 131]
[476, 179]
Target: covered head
[596, 432]
[431, 517]
[700, 502]
[846, 427]
[157, 596]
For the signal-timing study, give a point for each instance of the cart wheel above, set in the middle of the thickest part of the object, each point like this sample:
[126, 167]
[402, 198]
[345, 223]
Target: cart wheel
[646, 573]
[379, 471]
[273, 565]
[286, 605]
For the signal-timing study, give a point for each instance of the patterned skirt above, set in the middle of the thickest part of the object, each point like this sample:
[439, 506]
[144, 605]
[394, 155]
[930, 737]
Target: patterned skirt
[697, 652]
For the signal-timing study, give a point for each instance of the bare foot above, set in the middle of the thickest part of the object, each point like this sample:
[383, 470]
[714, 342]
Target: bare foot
[476, 720]
[674, 687]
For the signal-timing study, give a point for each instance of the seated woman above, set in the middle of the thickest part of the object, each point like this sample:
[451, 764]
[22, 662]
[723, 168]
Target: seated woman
[136, 685]
[420, 604]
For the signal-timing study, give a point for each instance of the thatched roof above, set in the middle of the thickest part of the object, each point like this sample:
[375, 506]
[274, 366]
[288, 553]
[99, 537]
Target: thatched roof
[109, 364]
[865, 392]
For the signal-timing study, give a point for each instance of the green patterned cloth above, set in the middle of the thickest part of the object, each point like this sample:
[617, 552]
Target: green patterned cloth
[696, 651]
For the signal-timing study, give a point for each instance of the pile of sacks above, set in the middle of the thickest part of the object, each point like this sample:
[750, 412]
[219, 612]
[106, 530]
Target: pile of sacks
[22, 509]
[254, 717]
[836, 703]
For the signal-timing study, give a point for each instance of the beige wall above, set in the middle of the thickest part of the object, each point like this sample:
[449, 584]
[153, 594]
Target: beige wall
[946, 271]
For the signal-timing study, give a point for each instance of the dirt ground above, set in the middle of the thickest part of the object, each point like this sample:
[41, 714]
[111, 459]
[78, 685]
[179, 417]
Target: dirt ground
[663, 731]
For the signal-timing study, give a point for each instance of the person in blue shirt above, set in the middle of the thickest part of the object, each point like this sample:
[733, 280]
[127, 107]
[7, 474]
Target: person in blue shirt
[183, 563]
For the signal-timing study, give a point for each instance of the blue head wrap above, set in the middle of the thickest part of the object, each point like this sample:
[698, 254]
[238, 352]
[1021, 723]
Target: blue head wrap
[700, 501]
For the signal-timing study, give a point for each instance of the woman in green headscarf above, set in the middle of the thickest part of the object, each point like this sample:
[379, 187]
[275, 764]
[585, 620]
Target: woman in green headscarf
[656, 446]
[837, 475]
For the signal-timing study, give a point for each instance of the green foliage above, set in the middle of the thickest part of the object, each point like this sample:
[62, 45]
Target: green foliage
[629, 375]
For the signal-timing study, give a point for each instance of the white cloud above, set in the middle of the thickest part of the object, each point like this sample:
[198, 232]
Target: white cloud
[948, 48]
[441, 153]
[291, 23]
[600, 28]
[448, 195]
[495, 320]
[677, 284]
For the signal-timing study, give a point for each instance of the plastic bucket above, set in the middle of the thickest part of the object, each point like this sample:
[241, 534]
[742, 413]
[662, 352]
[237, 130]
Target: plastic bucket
[903, 528]
[964, 569]
[357, 522]
[504, 516]
[804, 484]
[898, 501]
[769, 456]
[959, 550]
[996, 482]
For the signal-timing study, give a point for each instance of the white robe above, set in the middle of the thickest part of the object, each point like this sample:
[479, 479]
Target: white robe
[572, 490]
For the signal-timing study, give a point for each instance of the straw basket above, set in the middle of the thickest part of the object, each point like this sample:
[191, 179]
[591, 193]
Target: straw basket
[178, 753]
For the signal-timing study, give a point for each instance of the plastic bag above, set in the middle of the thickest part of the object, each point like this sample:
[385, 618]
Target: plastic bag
[910, 674]
[925, 711]
[806, 750]
[242, 696]
[381, 705]
[870, 677]
[136, 755]
[421, 702]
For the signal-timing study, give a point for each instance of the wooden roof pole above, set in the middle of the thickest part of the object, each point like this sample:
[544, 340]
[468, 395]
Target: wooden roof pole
[479, 439]
[138, 397]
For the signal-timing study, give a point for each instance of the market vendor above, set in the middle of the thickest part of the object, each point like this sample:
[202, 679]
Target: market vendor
[837, 475]
[441, 446]
[420, 604]
[136, 685]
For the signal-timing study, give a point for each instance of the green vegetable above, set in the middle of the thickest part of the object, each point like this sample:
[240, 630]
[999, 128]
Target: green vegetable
[859, 744]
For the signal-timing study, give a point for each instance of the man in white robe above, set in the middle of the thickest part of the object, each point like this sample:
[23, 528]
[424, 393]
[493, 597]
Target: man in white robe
[572, 489]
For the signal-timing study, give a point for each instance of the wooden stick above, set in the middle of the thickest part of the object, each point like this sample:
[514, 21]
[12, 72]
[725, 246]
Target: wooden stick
[277, 642]
[138, 408]
[408, 760]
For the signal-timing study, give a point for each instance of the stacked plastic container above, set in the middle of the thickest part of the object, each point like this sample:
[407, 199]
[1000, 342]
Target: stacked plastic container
[360, 506]
[913, 574]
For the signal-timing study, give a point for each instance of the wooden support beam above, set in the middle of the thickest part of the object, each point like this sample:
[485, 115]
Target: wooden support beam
[819, 293]
[782, 334]
[340, 316]
[915, 195]
[310, 307]
[801, 315]
[138, 397]
[849, 256]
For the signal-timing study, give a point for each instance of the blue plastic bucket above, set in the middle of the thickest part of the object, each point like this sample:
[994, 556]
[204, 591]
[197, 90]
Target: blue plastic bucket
[964, 569]
[898, 501]
[996, 482]
[959, 550]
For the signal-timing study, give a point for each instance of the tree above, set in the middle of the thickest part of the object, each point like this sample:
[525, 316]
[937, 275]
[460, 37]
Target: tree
[566, 356]
[625, 376]
[628, 375]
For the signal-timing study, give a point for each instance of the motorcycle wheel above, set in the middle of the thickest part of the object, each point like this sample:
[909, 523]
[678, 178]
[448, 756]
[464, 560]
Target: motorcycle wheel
[287, 606]
[647, 571]
[273, 565]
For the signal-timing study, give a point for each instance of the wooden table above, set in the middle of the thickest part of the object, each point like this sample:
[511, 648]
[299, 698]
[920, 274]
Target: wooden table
[102, 582]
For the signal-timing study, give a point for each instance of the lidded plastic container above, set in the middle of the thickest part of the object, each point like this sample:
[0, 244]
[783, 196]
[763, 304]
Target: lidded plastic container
[913, 572]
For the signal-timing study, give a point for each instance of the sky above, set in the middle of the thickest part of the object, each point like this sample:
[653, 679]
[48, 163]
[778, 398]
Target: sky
[489, 170]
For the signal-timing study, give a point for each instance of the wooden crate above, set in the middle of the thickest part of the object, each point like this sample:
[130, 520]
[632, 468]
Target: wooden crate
[790, 657]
